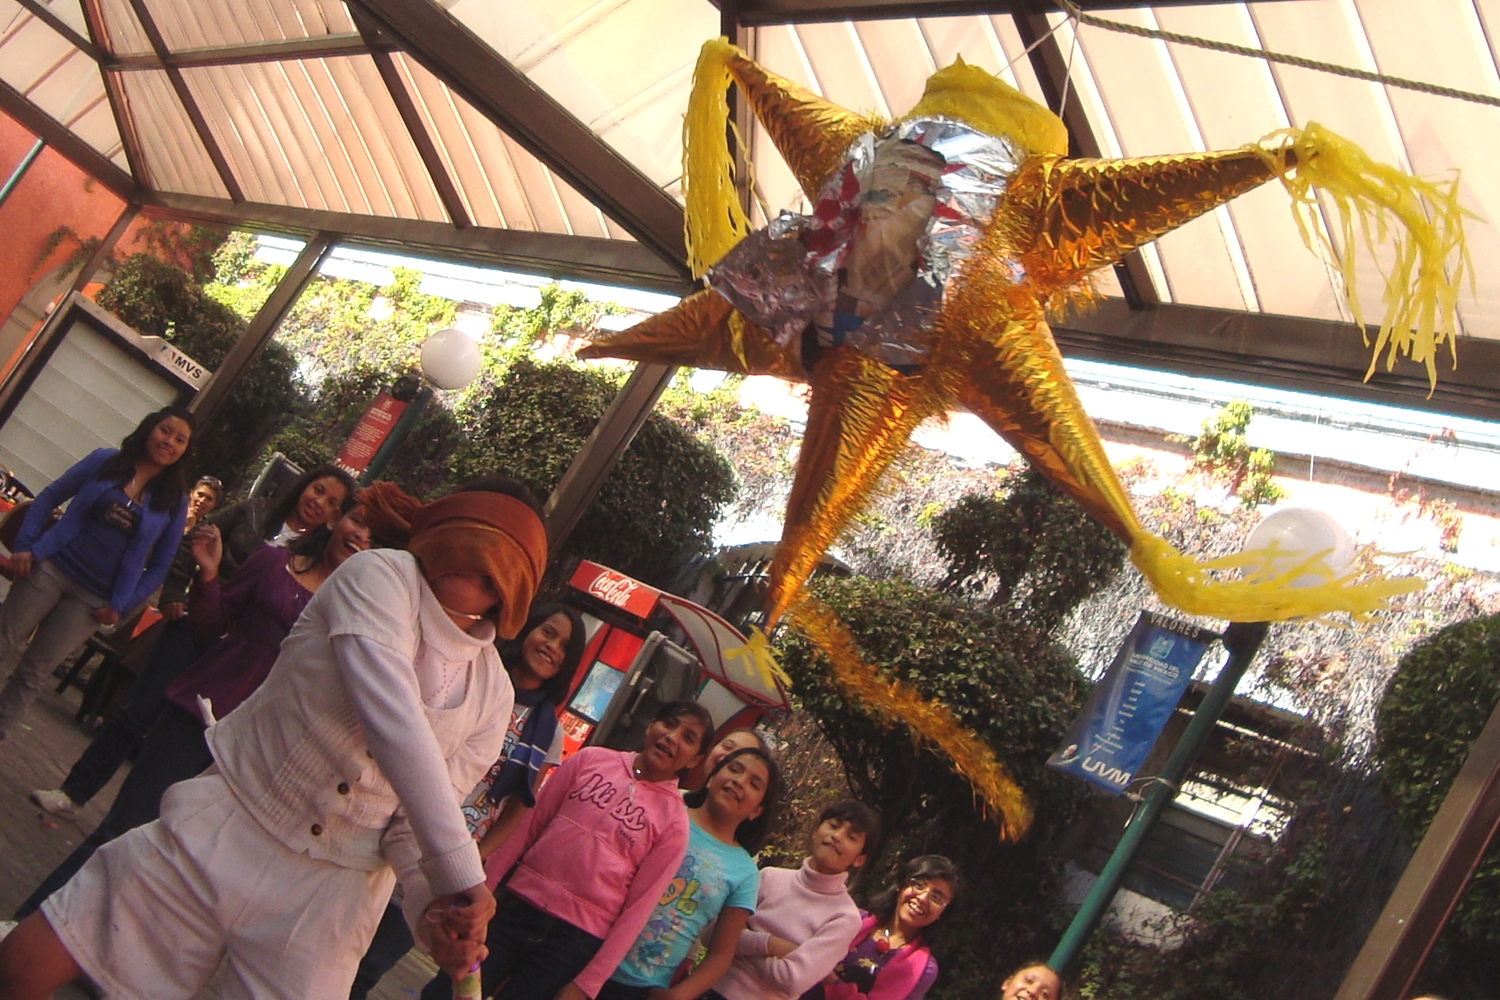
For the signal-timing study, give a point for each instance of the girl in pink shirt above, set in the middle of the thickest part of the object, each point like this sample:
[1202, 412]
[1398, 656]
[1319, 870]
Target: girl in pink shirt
[583, 875]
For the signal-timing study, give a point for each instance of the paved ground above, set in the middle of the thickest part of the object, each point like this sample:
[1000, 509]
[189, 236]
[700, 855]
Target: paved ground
[38, 755]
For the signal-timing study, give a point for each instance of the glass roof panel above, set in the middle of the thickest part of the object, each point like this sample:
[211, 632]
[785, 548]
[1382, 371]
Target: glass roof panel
[175, 157]
[123, 32]
[1442, 133]
[350, 172]
[316, 133]
[211, 23]
[900, 60]
[57, 78]
[623, 69]
[70, 12]
[501, 184]
[325, 134]
[1143, 96]
[1353, 108]
[1235, 100]
[841, 69]
[30, 51]
[95, 125]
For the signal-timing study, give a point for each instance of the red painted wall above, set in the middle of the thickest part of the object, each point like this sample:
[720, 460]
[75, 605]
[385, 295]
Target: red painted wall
[53, 193]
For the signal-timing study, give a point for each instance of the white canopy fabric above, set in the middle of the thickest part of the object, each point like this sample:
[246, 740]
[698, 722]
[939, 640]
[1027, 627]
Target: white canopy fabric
[382, 120]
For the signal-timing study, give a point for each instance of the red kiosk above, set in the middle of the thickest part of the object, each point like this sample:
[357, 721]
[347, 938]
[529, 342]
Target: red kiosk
[631, 664]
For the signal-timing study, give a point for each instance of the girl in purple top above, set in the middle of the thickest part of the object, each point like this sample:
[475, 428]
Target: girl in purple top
[890, 958]
[250, 615]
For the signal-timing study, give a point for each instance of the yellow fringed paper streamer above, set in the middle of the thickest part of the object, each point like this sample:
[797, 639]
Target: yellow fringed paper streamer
[928, 721]
[969, 94]
[759, 661]
[1265, 593]
[714, 219]
[1422, 219]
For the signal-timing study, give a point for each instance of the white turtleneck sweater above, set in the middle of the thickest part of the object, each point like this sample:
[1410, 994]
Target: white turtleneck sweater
[804, 906]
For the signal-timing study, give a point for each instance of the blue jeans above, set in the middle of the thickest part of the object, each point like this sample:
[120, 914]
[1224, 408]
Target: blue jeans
[391, 943]
[174, 751]
[122, 733]
[533, 953]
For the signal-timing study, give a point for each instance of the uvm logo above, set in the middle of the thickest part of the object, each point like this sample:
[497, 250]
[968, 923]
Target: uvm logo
[1113, 775]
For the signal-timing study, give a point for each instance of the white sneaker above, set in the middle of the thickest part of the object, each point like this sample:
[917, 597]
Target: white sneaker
[6, 926]
[55, 801]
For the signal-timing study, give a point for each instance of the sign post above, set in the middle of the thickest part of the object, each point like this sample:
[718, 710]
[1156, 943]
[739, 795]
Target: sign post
[1129, 707]
[1243, 640]
[369, 434]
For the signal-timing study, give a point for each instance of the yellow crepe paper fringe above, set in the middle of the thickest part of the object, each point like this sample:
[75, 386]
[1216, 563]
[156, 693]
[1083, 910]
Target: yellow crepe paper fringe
[714, 219]
[1422, 219]
[1270, 589]
[759, 661]
[970, 94]
[929, 722]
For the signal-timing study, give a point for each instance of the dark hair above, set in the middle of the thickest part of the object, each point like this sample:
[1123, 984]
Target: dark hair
[751, 834]
[863, 819]
[1062, 984]
[503, 485]
[287, 502]
[167, 487]
[554, 688]
[214, 483]
[759, 739]
[919, 869]
[673, 710]
[312, 544]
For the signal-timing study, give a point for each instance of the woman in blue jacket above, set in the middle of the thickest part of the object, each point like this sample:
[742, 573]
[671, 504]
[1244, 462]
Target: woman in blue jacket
[107, 554]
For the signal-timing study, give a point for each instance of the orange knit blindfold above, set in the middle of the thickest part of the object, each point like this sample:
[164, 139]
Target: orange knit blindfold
[490, 534]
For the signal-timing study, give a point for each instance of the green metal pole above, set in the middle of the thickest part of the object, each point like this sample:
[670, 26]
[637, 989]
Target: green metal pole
[20, 171]
[404, 424]
[1242, 639]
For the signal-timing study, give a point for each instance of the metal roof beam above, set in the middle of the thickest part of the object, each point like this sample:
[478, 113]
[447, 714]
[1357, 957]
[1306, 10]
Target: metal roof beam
[43, 13]
[281, 50]
[118, 105]
[537, 121]
[1325, 357]
[61, 138]
[1050, 64]
[406, 107]
[584, 258]
[189, 103]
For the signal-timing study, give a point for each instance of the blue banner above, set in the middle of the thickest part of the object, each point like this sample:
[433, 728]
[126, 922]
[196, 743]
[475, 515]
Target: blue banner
[1132, 702]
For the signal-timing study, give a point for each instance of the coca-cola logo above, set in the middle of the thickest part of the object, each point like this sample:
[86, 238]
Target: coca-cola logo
[612, 588]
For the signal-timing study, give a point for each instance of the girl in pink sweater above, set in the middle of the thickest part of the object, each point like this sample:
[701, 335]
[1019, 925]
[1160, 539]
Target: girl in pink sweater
[804, 919]
[586, 871]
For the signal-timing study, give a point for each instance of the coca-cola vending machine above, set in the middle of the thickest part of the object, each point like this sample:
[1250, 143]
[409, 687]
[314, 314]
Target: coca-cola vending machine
[647, 647]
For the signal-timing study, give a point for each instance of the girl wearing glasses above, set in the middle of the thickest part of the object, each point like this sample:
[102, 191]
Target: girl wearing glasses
[891, 958]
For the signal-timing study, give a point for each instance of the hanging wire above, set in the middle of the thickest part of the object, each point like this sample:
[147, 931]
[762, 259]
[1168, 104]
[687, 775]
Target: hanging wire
[1062, 105]
[1027, 50]
[1093, 21]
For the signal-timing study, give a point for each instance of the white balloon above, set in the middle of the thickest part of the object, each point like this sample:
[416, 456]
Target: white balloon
[1299, 532]
[450, 358]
